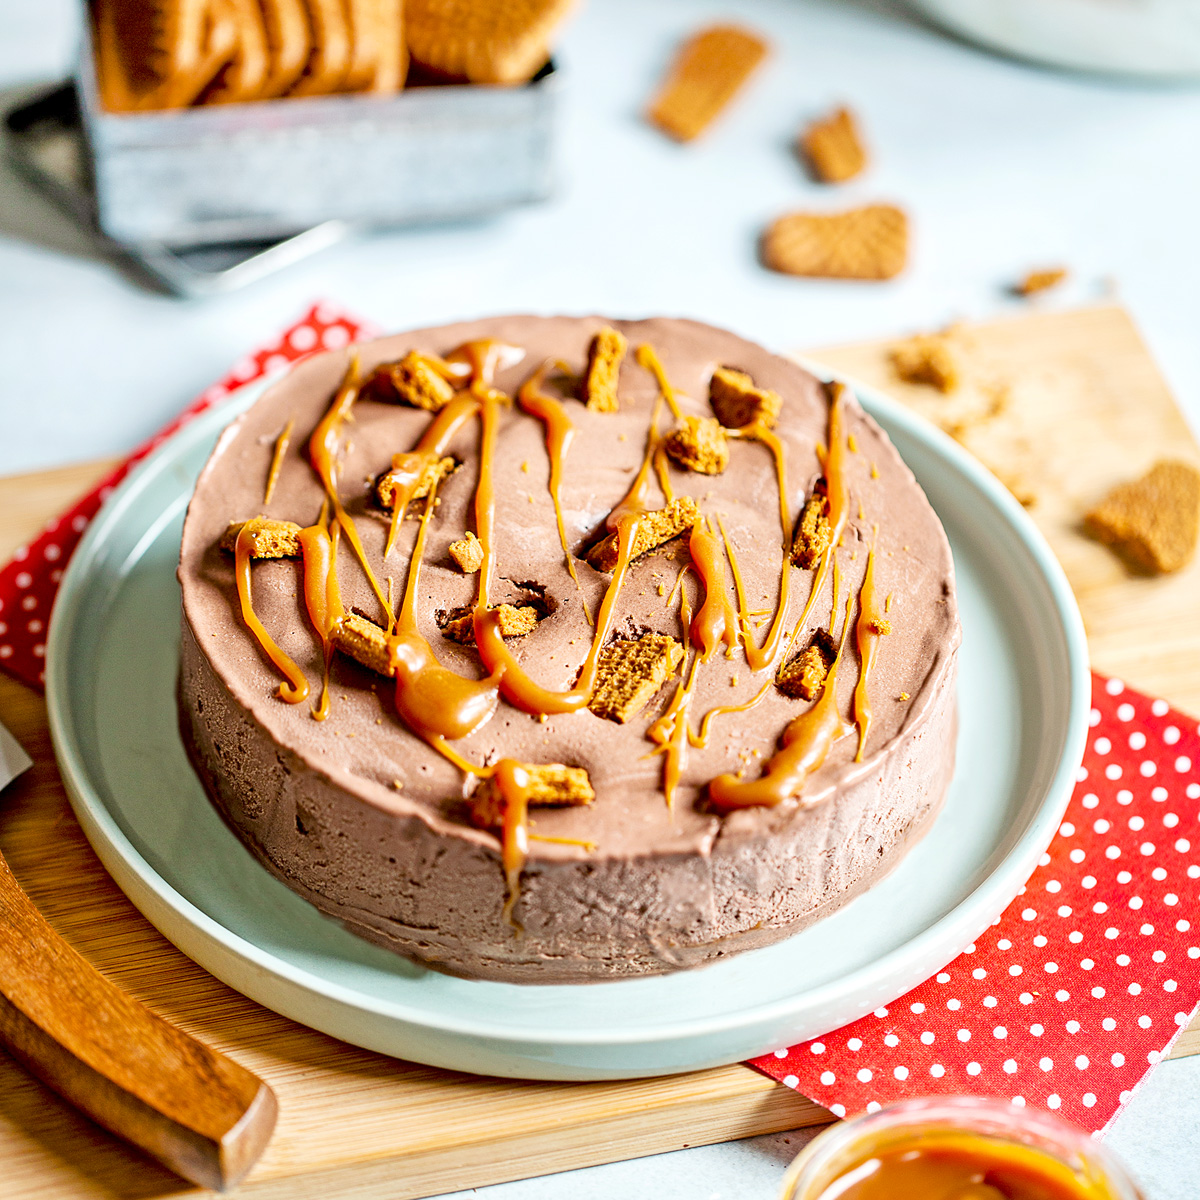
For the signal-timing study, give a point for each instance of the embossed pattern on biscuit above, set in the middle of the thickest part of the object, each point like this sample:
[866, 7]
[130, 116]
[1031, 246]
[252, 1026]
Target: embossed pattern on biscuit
[862, 243]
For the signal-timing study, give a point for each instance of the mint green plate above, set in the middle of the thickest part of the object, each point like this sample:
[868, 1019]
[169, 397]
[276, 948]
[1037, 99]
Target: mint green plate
[1024, 694]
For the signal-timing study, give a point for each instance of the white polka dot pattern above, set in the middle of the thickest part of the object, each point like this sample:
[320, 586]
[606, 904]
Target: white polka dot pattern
[29, 583]
[1123, 967]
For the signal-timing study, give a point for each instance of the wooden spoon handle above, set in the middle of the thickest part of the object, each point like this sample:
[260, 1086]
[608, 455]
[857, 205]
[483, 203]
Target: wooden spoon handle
[195, 1110]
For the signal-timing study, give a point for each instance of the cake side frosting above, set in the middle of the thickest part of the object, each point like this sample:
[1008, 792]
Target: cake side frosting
[678, 881]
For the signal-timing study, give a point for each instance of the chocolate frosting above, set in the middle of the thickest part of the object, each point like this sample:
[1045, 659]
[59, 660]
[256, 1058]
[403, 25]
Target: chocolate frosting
[354, 760]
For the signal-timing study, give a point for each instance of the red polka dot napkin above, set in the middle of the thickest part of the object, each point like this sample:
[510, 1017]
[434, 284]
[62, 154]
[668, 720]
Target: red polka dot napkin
[1090, 974]
[1066, 1001]
[29, 583]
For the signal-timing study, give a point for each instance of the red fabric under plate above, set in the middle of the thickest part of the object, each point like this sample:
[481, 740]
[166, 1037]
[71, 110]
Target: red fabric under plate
[1089, 975]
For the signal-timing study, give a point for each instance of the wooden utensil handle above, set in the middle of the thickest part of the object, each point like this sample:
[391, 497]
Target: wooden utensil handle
[198, 1112]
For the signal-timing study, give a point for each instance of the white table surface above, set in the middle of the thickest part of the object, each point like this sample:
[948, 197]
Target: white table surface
[1002, 167]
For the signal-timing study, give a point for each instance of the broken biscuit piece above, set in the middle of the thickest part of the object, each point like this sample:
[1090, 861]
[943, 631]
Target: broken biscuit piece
[629, 672]
[514, 622]
[738, 403]
[833, 148]
[412, 380]
[814, 534]
[598, 389]
[1040, 281]
[468, 553]
[708, 71]
[862, 243]
[926, 359]
[803, 676]
[363, 641]
[699, 444]
[1152, 522]
[550, 785]
[269, 538]
[432, 473]
[651, 529]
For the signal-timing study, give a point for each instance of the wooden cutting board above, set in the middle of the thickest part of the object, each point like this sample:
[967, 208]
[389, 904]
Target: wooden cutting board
[1061, 405]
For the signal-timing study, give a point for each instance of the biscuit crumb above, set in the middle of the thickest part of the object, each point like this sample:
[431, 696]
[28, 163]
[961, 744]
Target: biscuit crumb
[926, 359]
[433, 473]
[629, 672]
[547, 784]
[699, 444]
[833, 147]
[1040, 281]
[514, 622]
[804, 676]
[1152, 522]
[398, 784]
[860, 243]
[363, 641]
[650, 530]
[269, 538]
[468, 553]
[598, 388]
[904, 696]
[813, 535]
[411, 380]
[880, 625]
[738, 403]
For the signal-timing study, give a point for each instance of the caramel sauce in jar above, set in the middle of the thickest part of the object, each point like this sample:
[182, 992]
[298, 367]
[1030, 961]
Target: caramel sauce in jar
[956, 1148]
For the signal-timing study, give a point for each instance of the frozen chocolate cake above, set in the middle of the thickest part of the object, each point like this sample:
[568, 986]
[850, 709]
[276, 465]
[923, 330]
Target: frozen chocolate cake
[550, 650]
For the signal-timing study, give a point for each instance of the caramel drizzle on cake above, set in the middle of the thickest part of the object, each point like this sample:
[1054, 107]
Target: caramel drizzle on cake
[441, 706]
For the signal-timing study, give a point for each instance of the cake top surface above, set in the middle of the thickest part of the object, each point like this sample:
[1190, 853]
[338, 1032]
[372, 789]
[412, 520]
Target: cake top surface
[739, 711]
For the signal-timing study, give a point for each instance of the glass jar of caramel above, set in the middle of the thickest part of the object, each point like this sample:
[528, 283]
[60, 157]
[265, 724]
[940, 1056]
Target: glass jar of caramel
[956, 1148]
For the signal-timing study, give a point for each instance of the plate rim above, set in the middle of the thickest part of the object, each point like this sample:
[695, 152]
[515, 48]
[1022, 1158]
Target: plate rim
[989, 897]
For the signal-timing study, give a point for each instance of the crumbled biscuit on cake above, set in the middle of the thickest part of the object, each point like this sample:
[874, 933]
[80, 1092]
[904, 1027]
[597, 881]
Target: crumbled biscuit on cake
[1040, 281]
[598, 388]
[814, 534]
[928, 359]
[363, 641]
[479, 41]
[468, 553]
[833, 148]
[651, 529]
[385, 485]
[804, 675]
[708, 70]
[862, 243]
[738, 403]
[550, 785]
[629, 672]
[1152, 522]
[514, 622]
[411, 380]
[268, 538]
[699, 444]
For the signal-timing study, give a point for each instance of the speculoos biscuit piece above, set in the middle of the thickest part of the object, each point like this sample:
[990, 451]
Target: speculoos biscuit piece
[813, 535]
[738, 402]
[629, 673]
[653, 529]
[385, 485]
[551, 785]
[467, 552]
[699, 444]
[1152, 522]
[411, 380]
[269, 538]
[599, 387]
[927, 359]
[803, 676]
[833, 147]
[861, 243]
[514, 622]
[363, 641]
